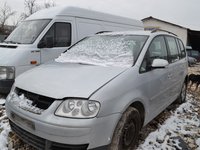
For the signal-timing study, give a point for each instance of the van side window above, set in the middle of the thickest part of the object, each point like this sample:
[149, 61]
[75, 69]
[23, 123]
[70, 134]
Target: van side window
[173, 49]
[182, 48]
[59, 35]
[157, 49]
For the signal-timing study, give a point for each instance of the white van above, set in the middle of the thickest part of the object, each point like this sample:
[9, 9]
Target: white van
[47, 33]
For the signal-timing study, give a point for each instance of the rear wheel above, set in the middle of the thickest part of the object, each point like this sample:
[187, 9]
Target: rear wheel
[182, 97]
[127, 131]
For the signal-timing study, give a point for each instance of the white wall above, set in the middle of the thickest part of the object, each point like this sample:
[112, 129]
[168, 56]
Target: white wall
[181, 32]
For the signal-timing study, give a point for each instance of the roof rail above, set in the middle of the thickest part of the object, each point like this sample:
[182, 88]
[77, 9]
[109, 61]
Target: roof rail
[156, 30]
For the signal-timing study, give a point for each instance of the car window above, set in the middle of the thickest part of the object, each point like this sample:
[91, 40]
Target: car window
[182, 49]
[157, 49]
[173, 49]
[59, 35]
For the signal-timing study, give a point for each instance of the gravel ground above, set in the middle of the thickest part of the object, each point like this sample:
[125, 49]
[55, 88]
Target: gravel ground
[175, 128]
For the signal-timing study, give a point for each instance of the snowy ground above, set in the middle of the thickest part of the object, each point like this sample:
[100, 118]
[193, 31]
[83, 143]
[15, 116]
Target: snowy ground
[180, 131]
[176, 128]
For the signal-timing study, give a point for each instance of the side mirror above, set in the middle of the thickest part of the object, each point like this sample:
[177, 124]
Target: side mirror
[159, 63]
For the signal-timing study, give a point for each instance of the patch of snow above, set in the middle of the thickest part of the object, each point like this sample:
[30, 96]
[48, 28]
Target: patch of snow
[198, 143]
[174, 126]
[4, 130]
[2, 101]
[23, 103]
[104, 51]
[4, 135]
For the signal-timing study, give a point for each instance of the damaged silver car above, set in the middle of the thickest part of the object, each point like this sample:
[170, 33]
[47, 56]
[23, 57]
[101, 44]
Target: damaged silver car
[100, 92]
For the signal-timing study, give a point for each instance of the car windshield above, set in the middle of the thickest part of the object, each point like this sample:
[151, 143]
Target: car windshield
[105, 50]
[27, 32]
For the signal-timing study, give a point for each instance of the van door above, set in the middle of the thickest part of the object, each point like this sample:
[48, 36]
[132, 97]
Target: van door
[57, 39]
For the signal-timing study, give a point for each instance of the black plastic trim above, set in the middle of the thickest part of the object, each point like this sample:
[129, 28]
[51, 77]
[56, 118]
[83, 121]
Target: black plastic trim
[5, 86]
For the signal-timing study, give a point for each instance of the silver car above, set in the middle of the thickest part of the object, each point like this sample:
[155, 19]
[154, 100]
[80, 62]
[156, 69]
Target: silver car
[100, 92]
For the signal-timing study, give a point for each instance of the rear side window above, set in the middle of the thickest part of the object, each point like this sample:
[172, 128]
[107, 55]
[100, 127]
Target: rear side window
[173, 49]
[182, 49]
[59, 35]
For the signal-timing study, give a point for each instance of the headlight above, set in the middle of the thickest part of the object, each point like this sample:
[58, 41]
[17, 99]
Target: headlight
[78, 108]
[7, 73]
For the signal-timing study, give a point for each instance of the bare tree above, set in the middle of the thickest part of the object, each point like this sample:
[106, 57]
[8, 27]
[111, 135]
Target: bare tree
[5, 13]
[17, 19]
[30, 7]
[49, 3]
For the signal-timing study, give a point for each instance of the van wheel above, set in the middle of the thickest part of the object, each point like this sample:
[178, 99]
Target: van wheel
[127, 131]
[182, 97]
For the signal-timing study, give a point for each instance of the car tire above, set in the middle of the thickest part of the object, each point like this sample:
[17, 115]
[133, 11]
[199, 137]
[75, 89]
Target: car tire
[127, 131]
[182, 97]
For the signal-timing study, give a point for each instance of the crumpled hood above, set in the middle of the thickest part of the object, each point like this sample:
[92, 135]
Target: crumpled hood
[61, 80]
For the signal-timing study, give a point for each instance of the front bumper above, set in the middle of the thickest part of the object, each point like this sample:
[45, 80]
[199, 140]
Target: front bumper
[5, 86]
[84, 133]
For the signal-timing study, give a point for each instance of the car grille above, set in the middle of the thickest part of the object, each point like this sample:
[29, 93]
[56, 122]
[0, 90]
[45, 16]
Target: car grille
[43, 144]
[39, 101]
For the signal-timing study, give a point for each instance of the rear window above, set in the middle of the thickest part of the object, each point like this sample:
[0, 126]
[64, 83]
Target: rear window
[182, 49]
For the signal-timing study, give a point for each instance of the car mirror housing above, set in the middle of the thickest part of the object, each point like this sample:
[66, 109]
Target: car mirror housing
[159, 63]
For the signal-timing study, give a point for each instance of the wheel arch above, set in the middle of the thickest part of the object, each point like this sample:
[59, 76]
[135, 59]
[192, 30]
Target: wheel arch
[140, 107]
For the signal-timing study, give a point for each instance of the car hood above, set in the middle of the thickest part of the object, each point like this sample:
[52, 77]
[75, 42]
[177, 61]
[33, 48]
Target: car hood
[61, 80]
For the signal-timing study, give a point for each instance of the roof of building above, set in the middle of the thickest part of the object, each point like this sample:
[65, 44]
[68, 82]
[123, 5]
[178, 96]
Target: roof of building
[149, 18]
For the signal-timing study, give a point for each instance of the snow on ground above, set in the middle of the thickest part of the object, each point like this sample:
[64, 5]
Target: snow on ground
[4, 127]
[2, 101]
[198, 143]
[183, 124]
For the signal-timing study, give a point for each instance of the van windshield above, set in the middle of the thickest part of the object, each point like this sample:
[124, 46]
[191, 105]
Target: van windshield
[27, 32]
[105, 50]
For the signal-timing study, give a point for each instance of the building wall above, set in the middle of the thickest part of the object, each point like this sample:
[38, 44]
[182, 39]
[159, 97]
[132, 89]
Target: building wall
[181, 32]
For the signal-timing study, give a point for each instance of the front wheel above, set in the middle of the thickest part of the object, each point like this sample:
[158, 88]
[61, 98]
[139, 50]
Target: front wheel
[127, 131]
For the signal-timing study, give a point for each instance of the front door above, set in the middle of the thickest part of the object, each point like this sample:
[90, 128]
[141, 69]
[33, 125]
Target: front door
[57, 39]
[156, 81]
